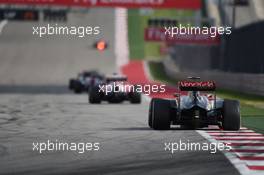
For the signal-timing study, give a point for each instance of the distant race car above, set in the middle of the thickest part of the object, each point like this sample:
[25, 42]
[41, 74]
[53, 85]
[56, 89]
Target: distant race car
[84, 81]
[196, 109]
[100, 45]
[114, 90]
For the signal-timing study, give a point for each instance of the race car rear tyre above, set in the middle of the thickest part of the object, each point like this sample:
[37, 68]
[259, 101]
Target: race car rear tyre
[94, 95]
[71, 84]
[161, 114]
[231, 115]
[77, 87]
[150, 112]
[135, 98]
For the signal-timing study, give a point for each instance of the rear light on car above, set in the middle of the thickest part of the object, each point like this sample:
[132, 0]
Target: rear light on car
[196, 114]
[101, 45]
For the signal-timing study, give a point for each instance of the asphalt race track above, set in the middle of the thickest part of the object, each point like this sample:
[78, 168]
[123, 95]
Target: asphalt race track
[35, 106]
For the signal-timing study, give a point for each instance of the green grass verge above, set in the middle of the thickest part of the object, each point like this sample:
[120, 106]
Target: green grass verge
[157, 71]
[135, 35]
[255, 123]
[252, 106]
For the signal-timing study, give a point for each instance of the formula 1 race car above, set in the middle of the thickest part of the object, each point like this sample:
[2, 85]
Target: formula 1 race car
[100, 45]
[84, 81]
[196, 109]
[115, 90]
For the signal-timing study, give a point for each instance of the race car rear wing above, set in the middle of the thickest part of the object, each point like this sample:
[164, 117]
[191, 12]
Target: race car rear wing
[116, 78]
[197, 86]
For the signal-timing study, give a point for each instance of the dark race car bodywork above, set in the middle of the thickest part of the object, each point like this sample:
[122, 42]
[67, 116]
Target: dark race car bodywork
[115, 90]
[195, 109]
[84, 81]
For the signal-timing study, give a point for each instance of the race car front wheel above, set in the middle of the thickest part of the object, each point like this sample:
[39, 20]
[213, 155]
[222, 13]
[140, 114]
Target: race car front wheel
[150, 112]
[231, 115]
[161, 110]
